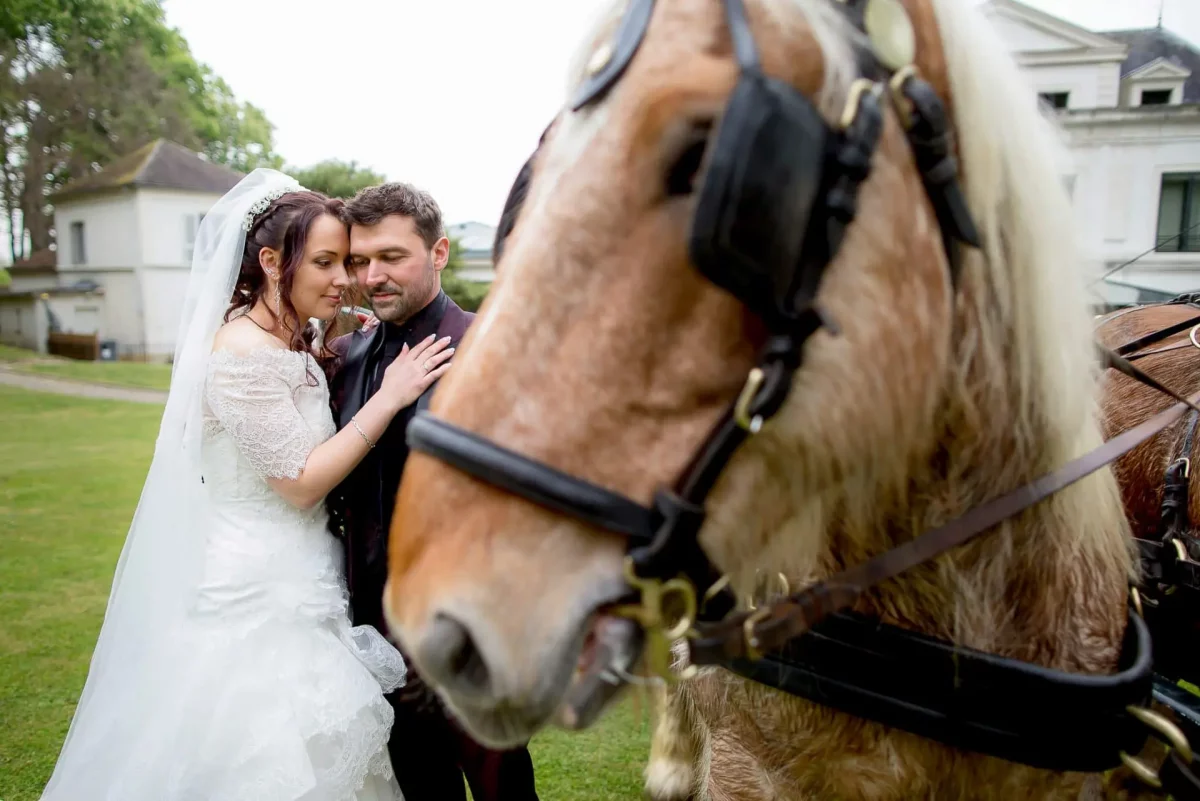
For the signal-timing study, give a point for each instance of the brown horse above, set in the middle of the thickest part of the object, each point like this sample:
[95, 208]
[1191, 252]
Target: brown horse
[1175, 361]
[1145, 472]
[602, 352]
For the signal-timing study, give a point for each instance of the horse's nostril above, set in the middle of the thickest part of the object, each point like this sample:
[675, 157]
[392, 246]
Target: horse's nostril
[451, 657]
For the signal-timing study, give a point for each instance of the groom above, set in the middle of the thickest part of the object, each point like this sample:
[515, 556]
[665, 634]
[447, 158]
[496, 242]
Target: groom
[397, 250]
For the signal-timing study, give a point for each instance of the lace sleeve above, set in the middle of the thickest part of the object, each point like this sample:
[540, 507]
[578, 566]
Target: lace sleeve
[252, 399]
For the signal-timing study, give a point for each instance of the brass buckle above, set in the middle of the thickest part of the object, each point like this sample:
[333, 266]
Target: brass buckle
[748, 637]
[1180, 551]
[1169, 731]
[713, 591]
[860, 87]
[896, 89]
[741, 411]
[651, 613]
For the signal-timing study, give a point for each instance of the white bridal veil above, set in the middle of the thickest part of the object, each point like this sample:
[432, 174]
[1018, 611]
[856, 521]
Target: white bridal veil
[140, 649]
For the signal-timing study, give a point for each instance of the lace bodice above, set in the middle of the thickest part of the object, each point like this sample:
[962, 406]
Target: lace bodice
[265, 411]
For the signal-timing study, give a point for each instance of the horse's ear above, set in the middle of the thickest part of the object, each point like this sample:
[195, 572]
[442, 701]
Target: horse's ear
[512, 208]
[516, 198]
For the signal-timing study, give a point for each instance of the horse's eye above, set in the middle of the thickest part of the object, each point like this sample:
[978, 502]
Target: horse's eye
[681, 177]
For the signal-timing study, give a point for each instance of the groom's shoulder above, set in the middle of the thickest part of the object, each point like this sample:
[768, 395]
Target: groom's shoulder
[455, 321]
[340, 346]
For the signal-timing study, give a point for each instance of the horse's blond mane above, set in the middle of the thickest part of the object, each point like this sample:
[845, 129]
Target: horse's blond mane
[1011, 158]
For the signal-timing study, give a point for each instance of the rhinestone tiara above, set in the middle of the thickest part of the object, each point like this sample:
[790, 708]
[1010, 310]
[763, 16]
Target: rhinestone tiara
[264, 202]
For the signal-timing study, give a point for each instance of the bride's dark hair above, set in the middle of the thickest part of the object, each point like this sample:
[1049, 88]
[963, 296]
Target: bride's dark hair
[283, 227]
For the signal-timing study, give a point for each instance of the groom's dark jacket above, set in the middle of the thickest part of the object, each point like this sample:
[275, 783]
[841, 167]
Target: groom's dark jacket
[361, 506]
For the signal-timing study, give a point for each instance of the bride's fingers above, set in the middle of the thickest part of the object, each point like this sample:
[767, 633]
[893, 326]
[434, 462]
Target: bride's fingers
[437, 358]
[434, 375]
[404, 350]
[423, 345]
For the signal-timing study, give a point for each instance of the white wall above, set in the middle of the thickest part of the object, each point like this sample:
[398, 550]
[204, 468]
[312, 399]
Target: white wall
[1063, 61]
[25, 282]
[80, 313]
[1089, 85]
[1119, 168]
[1019, 36]
[165, 215]
[110, 230]
[121, 316]
[163, 294]
[22, 324]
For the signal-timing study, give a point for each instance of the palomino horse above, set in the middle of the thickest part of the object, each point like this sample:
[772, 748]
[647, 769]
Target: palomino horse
[928, 377]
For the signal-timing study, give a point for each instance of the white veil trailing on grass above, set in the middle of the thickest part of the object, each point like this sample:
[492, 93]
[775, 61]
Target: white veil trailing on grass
[139, 651]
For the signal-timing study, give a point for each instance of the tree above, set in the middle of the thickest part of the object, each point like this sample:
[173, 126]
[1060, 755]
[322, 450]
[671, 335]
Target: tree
[237, 135]
[83, 82]
[467, 294]
[336, 178]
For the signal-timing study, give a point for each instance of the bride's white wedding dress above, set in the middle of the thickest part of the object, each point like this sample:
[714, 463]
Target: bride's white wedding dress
[286, 697]
[227, 668]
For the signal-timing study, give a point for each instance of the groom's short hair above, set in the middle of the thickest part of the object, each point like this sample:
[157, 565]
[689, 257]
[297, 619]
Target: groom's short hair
[374, 203]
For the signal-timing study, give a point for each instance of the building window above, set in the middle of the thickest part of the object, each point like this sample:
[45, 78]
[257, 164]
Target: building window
[78, 252]
[191, 225]
[1055, 100]
[1156, 97]
[1179, 213]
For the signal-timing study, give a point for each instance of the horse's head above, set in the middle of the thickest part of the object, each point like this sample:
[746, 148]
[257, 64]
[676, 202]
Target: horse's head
[661, 243]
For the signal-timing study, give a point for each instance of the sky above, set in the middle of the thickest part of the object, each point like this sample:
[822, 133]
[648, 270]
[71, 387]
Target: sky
[450, 95]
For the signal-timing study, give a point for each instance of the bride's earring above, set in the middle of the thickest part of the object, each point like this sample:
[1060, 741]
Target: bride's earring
[275, 278]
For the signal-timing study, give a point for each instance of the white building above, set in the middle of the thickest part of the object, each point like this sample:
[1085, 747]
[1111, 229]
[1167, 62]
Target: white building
[1129, 102]
[120, 267]
[475, 249]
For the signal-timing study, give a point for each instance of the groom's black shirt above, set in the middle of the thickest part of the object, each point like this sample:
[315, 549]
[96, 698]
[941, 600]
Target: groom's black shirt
[361, 506]
[392, 444]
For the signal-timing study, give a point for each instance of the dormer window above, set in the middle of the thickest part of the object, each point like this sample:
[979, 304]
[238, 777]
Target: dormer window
[1155, 83]
[1055, 100]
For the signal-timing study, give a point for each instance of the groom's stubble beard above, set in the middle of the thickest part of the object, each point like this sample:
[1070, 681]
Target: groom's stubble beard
[408, 300]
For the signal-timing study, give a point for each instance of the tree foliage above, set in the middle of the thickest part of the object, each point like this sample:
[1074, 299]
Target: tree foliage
[467, 294]
[337, 178]
[83, 82]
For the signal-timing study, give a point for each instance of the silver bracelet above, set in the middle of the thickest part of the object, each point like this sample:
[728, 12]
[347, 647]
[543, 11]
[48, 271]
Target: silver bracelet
[358, 428]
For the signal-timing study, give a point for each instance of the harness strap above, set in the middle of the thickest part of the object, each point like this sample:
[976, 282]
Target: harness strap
[966, 698]
[751, 633]
[1157, 336]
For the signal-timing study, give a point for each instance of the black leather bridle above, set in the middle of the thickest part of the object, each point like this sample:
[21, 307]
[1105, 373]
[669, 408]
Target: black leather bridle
[778, 192]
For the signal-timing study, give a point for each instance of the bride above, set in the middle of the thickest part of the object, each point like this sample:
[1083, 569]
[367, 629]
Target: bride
[227, 667]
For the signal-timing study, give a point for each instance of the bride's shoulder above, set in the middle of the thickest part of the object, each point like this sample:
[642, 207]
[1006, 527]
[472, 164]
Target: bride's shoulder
[240, 341]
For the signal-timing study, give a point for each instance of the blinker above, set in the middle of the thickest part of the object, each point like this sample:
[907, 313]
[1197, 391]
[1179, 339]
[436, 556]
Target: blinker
[758, 194]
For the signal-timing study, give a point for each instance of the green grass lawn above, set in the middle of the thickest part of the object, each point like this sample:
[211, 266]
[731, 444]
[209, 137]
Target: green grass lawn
[123, 374]
[10, 354]
[71, 472]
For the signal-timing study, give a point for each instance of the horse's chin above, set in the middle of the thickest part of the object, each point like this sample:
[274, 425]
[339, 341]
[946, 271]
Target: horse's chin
[609, 647]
